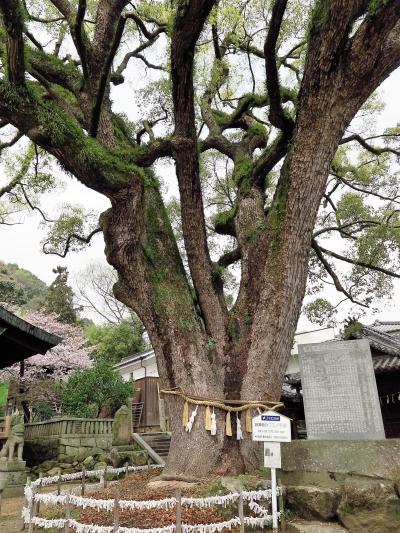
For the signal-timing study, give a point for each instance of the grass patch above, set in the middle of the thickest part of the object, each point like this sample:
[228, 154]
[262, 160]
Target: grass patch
[3, 393]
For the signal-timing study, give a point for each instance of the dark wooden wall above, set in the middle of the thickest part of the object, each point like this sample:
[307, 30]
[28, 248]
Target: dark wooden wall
[146, 391]
[389, 384]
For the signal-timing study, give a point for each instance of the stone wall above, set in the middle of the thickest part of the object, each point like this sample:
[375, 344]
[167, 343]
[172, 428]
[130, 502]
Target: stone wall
[375, 458]
[60, 448]
[355, 483]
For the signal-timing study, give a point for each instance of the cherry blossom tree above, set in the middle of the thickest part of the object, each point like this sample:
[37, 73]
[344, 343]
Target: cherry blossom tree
[40, 377]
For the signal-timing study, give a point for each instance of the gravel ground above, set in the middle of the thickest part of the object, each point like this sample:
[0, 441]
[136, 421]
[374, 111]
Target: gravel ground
[10, 517]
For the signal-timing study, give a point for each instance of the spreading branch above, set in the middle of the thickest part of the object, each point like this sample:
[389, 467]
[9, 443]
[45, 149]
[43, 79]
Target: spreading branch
[356, 262]
[230, 258]
[10, 143]
[277, 114]
[78, 34]
[365, 191]
[338, 285]
[188, 24]
[373, 149]
[71, 237]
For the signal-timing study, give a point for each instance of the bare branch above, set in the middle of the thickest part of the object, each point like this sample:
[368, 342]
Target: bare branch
[34, 207]
[271, 157]
[229, 258]
[366, 191]
[357, 263]
[142, 27]
[33, 39]
[338, 285]
[373, 149]
[69, 240]
[116, 76]
[13, 141]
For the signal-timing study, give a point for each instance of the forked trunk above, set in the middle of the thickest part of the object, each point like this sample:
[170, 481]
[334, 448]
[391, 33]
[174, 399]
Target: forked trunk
[152, 281]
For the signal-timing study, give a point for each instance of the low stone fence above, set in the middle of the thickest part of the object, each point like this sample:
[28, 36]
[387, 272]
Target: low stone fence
[66, 437]
[68, 426]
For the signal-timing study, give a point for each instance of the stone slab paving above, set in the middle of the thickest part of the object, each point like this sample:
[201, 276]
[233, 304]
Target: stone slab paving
[303, 526]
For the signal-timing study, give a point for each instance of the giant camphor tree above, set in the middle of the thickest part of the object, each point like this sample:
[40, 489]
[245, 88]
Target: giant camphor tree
[254, 97]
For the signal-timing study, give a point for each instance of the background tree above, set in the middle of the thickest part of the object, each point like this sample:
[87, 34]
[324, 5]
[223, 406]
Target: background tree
[60, 298]
[270, 88]
[87, 391]
[112, 342]
[121, 332]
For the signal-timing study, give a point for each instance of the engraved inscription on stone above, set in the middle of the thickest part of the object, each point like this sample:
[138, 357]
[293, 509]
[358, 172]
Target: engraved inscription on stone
[339, 391]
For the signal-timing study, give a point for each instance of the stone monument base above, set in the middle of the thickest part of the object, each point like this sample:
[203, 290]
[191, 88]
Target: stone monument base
[12, 477]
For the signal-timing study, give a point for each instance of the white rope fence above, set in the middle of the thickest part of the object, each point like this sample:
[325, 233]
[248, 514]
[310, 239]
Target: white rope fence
[67, 499]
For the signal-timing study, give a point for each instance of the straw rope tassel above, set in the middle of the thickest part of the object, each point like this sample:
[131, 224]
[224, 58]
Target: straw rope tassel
[228, 424]
[185, 414]
[248, 421]
[208, 418]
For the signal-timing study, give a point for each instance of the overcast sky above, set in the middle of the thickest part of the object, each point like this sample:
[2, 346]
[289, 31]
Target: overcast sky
[21, 243]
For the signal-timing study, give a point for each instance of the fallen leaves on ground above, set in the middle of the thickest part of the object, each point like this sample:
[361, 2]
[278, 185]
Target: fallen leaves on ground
[135, 487]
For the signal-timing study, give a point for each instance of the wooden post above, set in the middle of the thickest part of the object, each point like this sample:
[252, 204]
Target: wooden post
[59, 485]
[126, 469]
[32, 512]
[274, 501]
[281, 506]
[178, 526]
[39, 487]
[67, 514]
[241, 513]
[148, 461]
[28, 483]
[116, 513]
[105, 477]
[83, 481]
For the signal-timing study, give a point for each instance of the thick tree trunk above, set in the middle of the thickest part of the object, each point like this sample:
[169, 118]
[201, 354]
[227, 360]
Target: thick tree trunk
[250, 362]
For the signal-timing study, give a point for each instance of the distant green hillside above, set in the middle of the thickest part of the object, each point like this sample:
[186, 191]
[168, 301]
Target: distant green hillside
[20, 287]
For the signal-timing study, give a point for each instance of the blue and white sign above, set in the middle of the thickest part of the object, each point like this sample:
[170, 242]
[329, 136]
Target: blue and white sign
[271, 427]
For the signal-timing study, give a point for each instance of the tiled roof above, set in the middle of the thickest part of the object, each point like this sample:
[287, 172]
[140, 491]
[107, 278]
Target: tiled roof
[134, 357]
[386, 363]
[382, 337]
[387, 327]
[383, 342]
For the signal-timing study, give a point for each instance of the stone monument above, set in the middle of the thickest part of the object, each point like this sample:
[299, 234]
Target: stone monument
[122, 427]
[339, 391]
[13, 469]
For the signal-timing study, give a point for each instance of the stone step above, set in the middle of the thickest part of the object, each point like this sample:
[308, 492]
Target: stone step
[159, 442]
[149, 436]
[305, 526]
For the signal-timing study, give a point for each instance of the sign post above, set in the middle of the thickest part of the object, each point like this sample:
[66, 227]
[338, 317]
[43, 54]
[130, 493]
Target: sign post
[272, 428]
